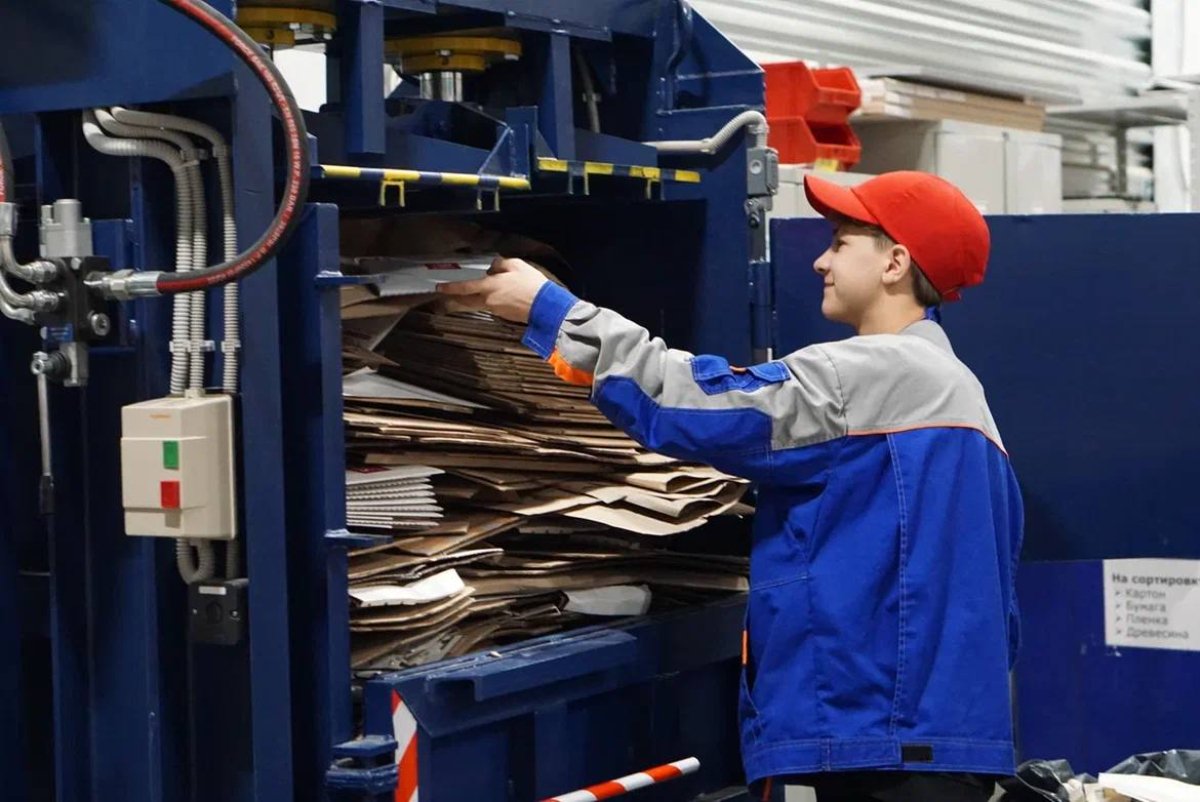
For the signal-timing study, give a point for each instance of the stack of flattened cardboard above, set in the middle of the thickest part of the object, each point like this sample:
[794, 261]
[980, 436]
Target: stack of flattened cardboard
[892, 99]
[392, 498]
[543, 500]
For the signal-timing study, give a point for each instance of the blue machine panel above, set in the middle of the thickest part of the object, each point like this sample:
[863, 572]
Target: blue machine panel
[565, 712]
[1084, 336]
[66, 54]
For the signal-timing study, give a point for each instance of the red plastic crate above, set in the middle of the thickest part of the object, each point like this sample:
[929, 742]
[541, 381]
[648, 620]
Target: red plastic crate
[800, 142]
[818, 95]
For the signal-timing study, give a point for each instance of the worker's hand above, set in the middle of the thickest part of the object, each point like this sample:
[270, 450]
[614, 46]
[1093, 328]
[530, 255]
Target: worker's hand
[508, 291]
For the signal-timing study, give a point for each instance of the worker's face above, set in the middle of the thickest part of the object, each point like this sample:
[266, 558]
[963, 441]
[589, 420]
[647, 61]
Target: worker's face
[853, 268]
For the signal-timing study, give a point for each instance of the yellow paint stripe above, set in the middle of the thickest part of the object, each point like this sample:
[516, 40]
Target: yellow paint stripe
[651, 173]
[411, 176]
[341, 171]
[603, 168]
[416, 177]
[460, 180]
[507, 182]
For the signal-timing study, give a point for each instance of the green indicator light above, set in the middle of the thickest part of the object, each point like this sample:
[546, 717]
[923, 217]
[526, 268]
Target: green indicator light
[171, 455]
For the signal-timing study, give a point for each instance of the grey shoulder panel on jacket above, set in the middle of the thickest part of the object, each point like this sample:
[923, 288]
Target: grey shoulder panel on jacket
[912, 380]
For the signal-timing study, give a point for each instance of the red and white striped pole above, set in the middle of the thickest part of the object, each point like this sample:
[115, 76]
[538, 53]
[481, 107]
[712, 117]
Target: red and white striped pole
[633, 782]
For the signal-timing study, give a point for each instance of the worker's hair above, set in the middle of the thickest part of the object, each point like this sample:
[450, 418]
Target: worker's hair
[926, 294]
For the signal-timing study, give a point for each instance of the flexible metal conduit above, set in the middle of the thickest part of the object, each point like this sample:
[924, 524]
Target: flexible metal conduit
[137, 148]
[754, 120]
[222, 154]
[191, 305]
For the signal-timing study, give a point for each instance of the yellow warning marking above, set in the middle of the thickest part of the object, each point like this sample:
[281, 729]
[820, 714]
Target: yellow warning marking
[635, 171]
[341, 171]
[460, 179]
[394, 176]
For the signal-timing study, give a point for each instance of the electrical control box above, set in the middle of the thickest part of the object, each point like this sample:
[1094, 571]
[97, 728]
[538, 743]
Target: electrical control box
[218, 611]
[177, 468]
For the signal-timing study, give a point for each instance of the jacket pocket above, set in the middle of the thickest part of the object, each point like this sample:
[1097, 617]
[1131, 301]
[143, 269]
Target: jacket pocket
[747, 710]
[781, 678]
[714, 375]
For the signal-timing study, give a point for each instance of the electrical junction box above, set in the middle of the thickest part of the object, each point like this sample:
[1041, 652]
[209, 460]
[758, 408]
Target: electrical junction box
[177, 471]
[218, 611]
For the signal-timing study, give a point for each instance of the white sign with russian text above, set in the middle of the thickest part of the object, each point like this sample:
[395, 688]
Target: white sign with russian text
[1152, 604]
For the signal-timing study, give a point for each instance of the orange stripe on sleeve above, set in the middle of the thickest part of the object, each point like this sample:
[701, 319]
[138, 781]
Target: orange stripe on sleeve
[569, 373]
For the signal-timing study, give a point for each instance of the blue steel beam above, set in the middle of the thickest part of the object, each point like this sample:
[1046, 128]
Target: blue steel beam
[316, 496]
[556, 112]
[361, 65]
[265, 535]
[18, 484]
[584, 18]
[66, 537]
[125, 697]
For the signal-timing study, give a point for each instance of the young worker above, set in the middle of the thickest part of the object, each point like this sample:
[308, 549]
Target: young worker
[882, 617]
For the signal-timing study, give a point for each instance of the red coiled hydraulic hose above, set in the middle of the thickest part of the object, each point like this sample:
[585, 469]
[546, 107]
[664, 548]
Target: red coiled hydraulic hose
[295, 190]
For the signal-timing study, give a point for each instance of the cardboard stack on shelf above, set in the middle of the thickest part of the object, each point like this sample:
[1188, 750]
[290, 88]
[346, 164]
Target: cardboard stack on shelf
[991, 147]
[896, 99]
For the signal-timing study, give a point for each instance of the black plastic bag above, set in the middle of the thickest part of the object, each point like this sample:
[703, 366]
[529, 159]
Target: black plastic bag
[1175, 764]
[1038, 780]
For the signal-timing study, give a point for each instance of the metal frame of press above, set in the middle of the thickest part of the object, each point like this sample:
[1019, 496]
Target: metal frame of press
[92, 623]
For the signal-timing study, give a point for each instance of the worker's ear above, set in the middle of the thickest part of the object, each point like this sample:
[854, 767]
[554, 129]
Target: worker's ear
[899, 266]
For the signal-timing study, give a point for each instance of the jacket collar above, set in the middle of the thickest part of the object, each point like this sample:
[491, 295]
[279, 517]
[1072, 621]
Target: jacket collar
[931, 332]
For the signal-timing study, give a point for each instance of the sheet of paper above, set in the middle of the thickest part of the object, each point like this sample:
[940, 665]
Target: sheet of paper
[614, 601]
[370, 384]
[439, 586]
[405, 276]
[1152, 604]
[412, 618]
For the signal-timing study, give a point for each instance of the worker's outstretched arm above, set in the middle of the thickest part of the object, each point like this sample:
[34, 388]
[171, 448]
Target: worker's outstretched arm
[687, 406]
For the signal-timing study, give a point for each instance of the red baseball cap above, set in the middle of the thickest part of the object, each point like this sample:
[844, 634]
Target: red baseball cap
[941, 228]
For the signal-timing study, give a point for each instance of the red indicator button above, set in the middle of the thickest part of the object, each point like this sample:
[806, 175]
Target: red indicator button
[170, 495]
